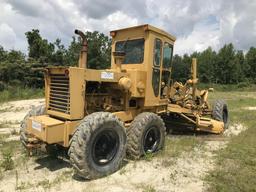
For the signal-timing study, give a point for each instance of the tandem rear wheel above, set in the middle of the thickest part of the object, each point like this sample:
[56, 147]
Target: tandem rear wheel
[146, 134]
[98, 145]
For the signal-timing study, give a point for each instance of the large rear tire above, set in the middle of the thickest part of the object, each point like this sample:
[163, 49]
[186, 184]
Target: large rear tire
[36, 111]
[98, 145]
[146, 134]
[220, 112]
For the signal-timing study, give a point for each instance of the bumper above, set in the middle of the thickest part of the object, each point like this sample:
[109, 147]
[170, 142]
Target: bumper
[51, 130]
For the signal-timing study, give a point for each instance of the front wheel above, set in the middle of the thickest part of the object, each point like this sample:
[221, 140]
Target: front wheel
[220, 112]
[98, 145]
[145, 135]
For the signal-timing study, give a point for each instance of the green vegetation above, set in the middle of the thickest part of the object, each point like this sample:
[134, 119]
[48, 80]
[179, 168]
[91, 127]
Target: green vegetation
[176, 145]
[227, 66]
[45, 183]
[21, 77]
[236, 164]
[2, 138]
[7, 163]
[10, 146]
[243, 86]
[17, 70]
[3, 125]
[149, 188]
[20, 93]
[7, 151]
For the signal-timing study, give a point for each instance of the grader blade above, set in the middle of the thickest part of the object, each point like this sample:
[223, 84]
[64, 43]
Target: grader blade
[210, 125]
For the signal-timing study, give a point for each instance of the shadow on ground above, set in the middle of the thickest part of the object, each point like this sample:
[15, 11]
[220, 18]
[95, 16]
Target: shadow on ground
[52, 163]
[187, 131]
[81, 179]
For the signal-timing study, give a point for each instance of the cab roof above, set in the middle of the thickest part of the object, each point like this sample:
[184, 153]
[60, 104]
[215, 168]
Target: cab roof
[148, 27]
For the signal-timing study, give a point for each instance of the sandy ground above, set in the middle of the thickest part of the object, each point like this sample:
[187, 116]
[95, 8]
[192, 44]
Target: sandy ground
[252, 108]
[12, 113]
[182, 173]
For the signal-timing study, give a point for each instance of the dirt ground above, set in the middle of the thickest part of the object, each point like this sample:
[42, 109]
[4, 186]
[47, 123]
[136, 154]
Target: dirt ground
[250, 108]
[184, 172]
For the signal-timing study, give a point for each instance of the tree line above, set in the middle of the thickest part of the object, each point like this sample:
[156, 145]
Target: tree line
[17, 69]
[227, 66]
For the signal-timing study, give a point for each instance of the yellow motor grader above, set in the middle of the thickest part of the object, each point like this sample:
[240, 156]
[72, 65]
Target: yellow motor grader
[99, 116]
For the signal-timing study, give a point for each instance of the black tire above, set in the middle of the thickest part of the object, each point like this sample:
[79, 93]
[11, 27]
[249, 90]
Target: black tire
[98, 145]
[36, 111]
[146, 134]
[220, 112]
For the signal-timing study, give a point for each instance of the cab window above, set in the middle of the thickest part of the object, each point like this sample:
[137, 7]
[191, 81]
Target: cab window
[157, 52]
[167, 55]
[134, 50]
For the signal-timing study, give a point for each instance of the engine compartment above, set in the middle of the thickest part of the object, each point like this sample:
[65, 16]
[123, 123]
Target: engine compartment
[103, 96]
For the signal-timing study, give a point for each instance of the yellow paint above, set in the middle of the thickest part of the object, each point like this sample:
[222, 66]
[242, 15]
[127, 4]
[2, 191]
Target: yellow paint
[67, 101]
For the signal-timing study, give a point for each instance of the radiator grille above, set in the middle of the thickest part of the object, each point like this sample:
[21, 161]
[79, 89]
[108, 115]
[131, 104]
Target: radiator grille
[59, 93]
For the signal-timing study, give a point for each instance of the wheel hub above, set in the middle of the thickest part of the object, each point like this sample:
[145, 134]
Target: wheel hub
[151, 140]
[105, 147]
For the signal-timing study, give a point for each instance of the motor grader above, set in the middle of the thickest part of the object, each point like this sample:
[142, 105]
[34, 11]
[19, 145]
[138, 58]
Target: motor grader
[100, 116]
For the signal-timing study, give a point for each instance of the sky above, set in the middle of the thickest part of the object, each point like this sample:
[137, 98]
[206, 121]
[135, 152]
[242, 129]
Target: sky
[197, 24]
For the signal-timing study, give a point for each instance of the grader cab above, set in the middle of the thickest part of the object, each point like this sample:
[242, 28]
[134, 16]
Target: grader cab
[99, 116]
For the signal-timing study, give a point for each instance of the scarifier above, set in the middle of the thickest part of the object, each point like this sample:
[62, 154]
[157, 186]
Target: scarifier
[99, 116]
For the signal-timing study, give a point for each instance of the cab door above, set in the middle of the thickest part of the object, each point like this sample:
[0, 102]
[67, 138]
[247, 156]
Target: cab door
[166, 70]
[161, 72]
[156, 71]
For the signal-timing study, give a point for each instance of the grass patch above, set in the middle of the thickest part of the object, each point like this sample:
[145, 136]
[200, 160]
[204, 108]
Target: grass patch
[1, 174]
[243, 86]
[64, 176]
[7, 163]
[10, 146]
[148, 156]
[17, 93]
[236, 164]
[45, 183]
[174, 146]
[148, 188]
[7, 151]
[122, 171]
[2, 138]
[23, 186]
[3, 125]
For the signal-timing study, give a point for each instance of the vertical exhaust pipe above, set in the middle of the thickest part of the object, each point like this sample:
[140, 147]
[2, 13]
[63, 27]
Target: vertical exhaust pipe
[83, 53]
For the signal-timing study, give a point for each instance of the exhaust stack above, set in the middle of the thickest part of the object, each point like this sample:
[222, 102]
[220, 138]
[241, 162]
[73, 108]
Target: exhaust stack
[83, 53]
